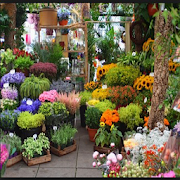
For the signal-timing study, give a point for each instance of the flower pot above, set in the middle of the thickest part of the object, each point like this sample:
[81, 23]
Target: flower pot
[14, 160]
[92, 133]
[29, 133]
[25, 71]
[48, 17]
[63, 22]
[105, 150]
[83, 108]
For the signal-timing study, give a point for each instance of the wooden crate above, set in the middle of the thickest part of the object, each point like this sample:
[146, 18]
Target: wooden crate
[105, 150]
[38, 160]
[60, 152]
[14, 160]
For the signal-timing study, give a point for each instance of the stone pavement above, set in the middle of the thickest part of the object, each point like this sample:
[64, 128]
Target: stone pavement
[75, 164]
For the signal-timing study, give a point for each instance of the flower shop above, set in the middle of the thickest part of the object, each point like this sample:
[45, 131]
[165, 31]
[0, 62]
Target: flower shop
[116, 66]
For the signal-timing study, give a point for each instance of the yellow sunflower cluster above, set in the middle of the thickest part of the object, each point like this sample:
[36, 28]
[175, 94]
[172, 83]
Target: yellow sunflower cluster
[100, 94]
[91, 86]
[144, 82]
[148, 44]
[173, 65]
[101, 71]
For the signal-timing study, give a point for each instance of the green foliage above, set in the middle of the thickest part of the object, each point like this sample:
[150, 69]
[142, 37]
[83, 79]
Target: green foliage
[33, 86]
[19, 40]
[105, 137]
[85, 97]
[8, 58]
[64, 135]
[32, 147]
[173, 117]
[130, 115]
[14, 141]
[121, 75]
[104, 105]
[45, 109]
[21, 14]
[23, 62]
[93, 116]
[27, 120]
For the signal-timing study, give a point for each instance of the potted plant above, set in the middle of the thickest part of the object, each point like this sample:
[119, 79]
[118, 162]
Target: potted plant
[48, 96]
[8, 104]
[130, 116]
[108, 132]
[36, 150]
[64, 31]
[9, 93]
[63, 16]
[85, 97]
[22, 64]
[15, 147]
[30, 124]
[33, 86]
[8, 119]
[49, 69]
[93, 116]
[72, 103]
[62, 140]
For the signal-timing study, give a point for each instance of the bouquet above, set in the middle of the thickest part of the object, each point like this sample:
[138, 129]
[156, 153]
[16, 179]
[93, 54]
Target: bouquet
[9, 93]
[29, 105]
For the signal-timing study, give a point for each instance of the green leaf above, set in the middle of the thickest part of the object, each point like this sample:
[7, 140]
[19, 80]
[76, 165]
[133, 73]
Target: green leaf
[177, 38]
[165, 15]
[160, 106]
[13, 151]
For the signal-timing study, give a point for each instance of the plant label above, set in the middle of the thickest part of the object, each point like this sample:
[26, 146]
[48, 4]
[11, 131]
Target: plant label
[104, 87]
[176, 60]
[54, 128]
[11, 134]
[29, 102]
[35, 136]
[145, 99]
[151, 74]
[12, 71]
[6, 85]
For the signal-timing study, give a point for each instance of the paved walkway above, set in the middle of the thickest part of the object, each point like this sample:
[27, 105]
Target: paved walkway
[75, 164]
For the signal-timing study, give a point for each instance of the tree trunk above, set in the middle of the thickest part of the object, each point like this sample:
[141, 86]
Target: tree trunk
[163, 30]
[9, 37]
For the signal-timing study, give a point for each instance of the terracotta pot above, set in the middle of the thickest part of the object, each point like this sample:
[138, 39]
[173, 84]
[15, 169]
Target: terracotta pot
[63, 22]
[92, 133]
[48, 17]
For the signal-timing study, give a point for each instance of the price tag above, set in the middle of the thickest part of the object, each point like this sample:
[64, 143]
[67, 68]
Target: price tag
[151, 74]
[54, 128]
[176, 60]
[6, 85]
[12, 71]
[35, 136]
[11, 134]
[145, 99]
[104, 87]
[29, 102]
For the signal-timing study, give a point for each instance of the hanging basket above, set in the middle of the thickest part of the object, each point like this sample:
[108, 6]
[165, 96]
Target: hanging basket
[48, 17]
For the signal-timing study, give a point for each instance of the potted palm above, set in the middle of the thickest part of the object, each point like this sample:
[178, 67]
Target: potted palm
[62, 140]
[93, 116]
[63, 16]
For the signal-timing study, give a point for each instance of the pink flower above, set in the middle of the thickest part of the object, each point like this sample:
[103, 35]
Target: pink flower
[111, 156]
[119, 157]
[4, 154]
[108, 162]
[98, 163]
[112, 145]
[95, 154]
[102, 155]
[170, 174]
[114, 160]
[94, 164]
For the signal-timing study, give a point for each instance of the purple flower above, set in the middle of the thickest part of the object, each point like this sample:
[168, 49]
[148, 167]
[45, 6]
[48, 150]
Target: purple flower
[9, 93]
[63, 14]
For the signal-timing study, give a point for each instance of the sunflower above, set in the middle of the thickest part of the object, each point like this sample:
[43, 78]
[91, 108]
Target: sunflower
[144, 45]
[102, 124]
[112, 126]
[151, 88]
[152, 47]
[139, 87]
[148, 85]
[147, 48]
[143, 82]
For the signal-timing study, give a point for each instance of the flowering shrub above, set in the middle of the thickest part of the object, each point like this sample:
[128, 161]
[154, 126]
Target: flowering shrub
[16, 78]
[33, 108]
[48, 96]
[71, 101]
[49, 69]
[100, 94]
[22, 53]
[91, 86]
[121, 95]
[63, 14]
[92, 102]
[9, 93]
[144, 82]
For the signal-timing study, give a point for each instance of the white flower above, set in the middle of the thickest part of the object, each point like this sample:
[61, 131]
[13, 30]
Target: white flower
[54, 128]
[134, 53]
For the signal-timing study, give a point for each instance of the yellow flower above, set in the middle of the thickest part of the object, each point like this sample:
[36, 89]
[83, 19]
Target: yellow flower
[151, 88]
[112, 126]
[139, 87]
[143, 82]
[147, 85]
[102, 124]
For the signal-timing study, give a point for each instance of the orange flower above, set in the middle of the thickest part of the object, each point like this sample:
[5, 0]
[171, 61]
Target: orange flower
[146, 119]
[166, 122]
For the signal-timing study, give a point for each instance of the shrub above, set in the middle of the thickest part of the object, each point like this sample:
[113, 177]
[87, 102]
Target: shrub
[93, 116]
[121, 75]
[85, 97]
[130, 115]
[49, 69]
[23, 62]
[100, 94]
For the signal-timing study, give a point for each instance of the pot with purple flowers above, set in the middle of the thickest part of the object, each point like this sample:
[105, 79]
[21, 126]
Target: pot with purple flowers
[63, 16]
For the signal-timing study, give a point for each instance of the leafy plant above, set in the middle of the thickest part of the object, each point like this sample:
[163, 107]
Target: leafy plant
[23, 62]
[33, 86]
[27, 120]
[104, 105]
[8, 104]
[130, 115]
[173, 117]
[93, 116]
[64, 135]
[32, 147]
[85, 97]
[121, 75]
[49, 69]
